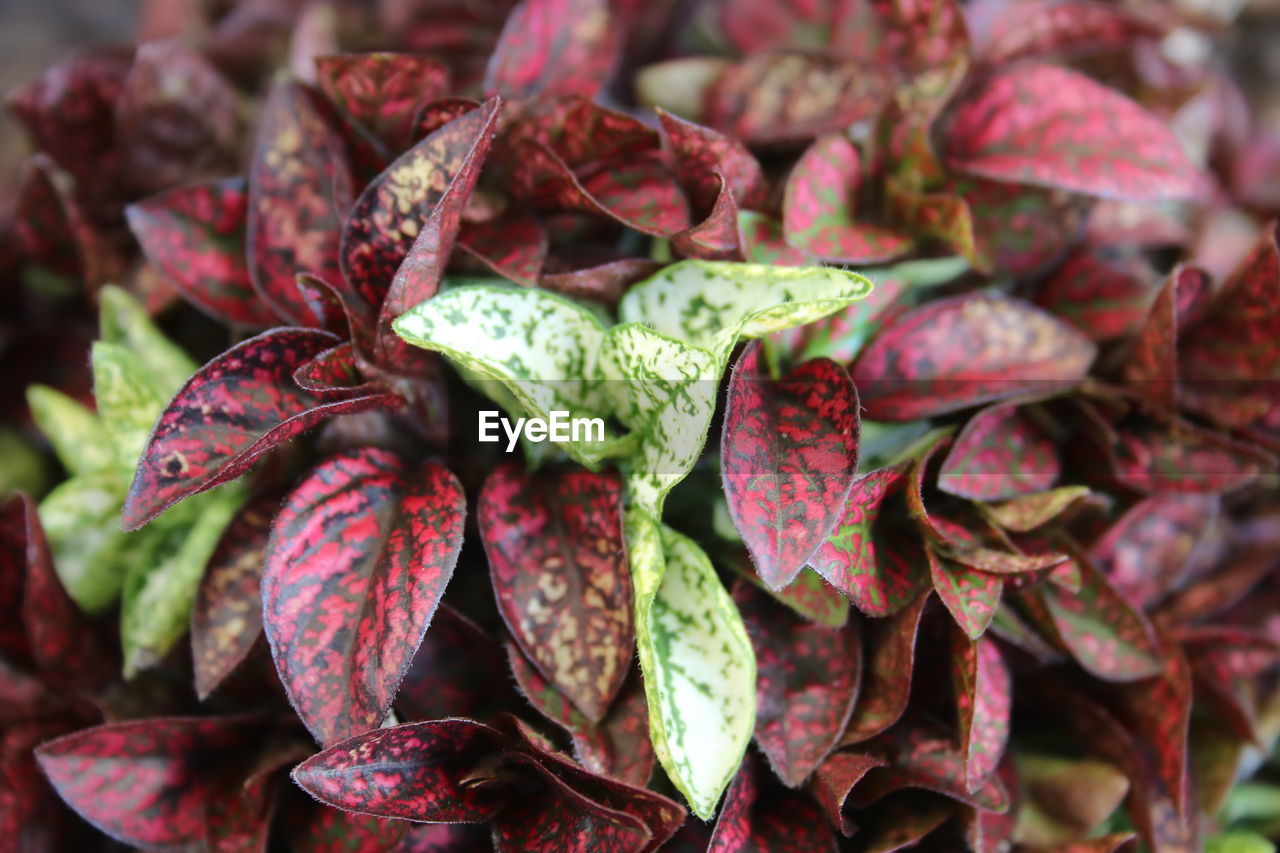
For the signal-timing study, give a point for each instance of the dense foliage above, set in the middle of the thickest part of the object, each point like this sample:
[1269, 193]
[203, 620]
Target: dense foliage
[935, 347]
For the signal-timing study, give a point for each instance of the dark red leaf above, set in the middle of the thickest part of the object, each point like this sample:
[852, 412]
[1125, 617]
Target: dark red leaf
[1050, 126]
[1146, 553]
[983, 689]
[1152, 365]
[1072, 29]
[886, 679]
[700, 153]
[195, 236]
[943, 216]
[13, 580]
[716, 237]
[1158, 711]
[1002, 453]
[1104, 296]
[554, 47]
[579, 131]
[560, 576]
[923, 34]
[49, 227]
[818, 208]
[1177, 456]
[232, 411]
[299, 189]
[834, 779]
[807, 680]
[316, 828]
[514, 246]
[145, 782]
[446, 838]
[961, 351]
[383, 92]
[437, 771]
[226, 619]
[903, 819]
[757, 816]
[788, 457]
[358, 558]
[789, 97]
[458, 671]
[1020, 229]
[604, 282]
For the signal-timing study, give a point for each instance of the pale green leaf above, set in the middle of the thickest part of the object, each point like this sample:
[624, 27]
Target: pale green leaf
[711, 304]
[124, 321]
[160, 588]
[81, 519]
[699, 668]
[1239, 842]
[128, 402]
[74, 431]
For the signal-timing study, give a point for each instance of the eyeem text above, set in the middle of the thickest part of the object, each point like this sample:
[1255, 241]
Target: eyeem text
[560, 427]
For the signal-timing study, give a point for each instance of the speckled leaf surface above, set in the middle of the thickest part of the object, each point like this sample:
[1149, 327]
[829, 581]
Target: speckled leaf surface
[833, 781]
[788, 457]
[1145, 553]
[232, 411]
[195, 236]
[756, 816]
[886, 681]
[383, 93]
[1106, 296]
[807, 681]
[560, 576]
[299, 188]
[432, 771]
[513, 246]
[1050, 126]
[701, 152]
[358, 558]
[700, 670]
[1153, 457]
[1158, 711]
[1152, 365]
[983, 690]
[1001, 453]
[970, 595]
[960, 351]
[554, 47]
[144, 782]
[818, 207]
[226, 619]
[390, 212]
[1075, 28]
[761, 241]
[316, 828]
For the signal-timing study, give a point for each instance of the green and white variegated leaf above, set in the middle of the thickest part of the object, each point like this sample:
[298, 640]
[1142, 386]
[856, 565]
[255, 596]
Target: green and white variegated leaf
[124, 321]
[665, 391]
[699, 668]
[81, 518]
[540, 347]
[128, 398]
[74, 431]
[160, 586]
[711, 304]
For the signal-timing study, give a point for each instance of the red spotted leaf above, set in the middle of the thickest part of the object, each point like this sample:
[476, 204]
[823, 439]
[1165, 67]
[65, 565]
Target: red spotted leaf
[716, 237]
[579, 131]
[1146, 553]
[195, 236]
[514, 246]
[554, 47]
[700, 153]
[1106, 296]
[1152, 364]
[560, 576]
[755, 26]
[1072, 29]
[761, 240]
[923, 34]
[834, 779]
[358, 558]
[818, 208]
[878, 562]
[810, 596]
[299, 188]
[445, 838]
[458, 671]
[757, 816]
[1152, 457]
[1106, 636]
[1002, 453]
[383, 92]
[437, 771]
[145, 782]
[1050, 126]
[943, 216]
[970, 595]
[226, 619]
[1017, 228]
[771, 98]
[390, 213]
[886, 678]
[1158, 711]
[789, 453]
[808, 679]
[618, 746]
[232, 411]
[964, 350]
[983, 689]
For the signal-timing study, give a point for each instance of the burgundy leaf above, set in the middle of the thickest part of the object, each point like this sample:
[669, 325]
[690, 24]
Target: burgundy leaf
[818, 209]
[701, 153]
[1049, 126]
[757, 816]
[383, 92]
[1175, 456]
[579, 131]
[560, 576]
[1074, 28]
[195, 236]
[316, 828]
[789, 453]
[13, 580]
[358, 558]
[755, 26]
[1152, 365]
[390, 213]
[923, 34]
[458, 671]
[953, 353]
[983, 695]
[145, 782]
[1001, 453]
[604, 282]
[232, 411]
[554, 47]
[226, 619]
[514, 246]
[834, 779]
[1146, 552]
[1158, 711]
[437, 771]
[808, 678]
[716, 237]
[299, 189]
[1106, 296]
[886, 679]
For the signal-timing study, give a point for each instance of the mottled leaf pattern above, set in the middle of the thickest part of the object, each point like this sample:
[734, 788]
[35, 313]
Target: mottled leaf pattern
[358, 558]
[886, 680]
[982, 686]
[1001, 453]
[553, 47]
[970, 595]
[756, 817]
